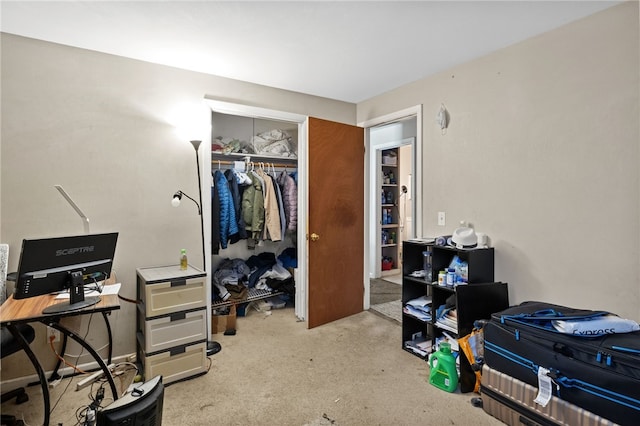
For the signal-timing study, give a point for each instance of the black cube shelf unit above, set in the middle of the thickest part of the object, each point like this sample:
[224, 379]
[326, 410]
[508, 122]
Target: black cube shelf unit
[473, 301]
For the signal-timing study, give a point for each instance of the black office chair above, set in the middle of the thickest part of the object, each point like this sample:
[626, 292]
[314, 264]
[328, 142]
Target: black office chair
[9, 346]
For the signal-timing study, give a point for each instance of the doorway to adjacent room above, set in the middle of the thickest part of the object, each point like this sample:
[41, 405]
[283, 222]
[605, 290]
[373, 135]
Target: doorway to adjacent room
[399, 132]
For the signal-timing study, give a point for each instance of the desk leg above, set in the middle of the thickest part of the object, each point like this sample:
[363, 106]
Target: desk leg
[93, 353]
[106, 322]
[43, 379]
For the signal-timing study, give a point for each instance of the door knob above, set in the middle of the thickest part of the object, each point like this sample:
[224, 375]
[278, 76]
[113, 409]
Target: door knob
[315, 237]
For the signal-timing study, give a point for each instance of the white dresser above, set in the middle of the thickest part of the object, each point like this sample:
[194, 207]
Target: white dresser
[171, 322]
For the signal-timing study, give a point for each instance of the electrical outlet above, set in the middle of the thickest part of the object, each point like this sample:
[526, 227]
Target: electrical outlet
[442, 219]
[53, 332]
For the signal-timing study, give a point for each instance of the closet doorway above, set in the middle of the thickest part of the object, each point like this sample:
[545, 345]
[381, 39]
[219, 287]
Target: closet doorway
[398, 134]
[329, 210]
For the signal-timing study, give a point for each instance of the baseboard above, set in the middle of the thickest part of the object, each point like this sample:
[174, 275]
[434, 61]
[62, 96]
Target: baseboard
[25, 381]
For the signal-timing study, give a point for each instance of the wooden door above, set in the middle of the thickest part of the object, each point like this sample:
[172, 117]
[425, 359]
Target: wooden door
[336, 216]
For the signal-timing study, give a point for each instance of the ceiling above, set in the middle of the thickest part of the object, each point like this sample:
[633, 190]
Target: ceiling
[347, 50]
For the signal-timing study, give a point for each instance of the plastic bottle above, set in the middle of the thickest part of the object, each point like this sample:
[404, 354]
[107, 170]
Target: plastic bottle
[183, 260]
[426, 264]
[442, 368]
[451, 276]
[442, 278]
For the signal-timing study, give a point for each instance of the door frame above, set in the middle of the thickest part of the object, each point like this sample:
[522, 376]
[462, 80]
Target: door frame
[301, 272]
[370, 180]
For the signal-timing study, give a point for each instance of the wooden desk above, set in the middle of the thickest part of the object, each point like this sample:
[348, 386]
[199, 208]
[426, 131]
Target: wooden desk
[30, 310]
[18, 311]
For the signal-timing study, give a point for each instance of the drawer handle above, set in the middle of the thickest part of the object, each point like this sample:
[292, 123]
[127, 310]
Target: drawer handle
[177, 351]
[178, 283]
[177, 317]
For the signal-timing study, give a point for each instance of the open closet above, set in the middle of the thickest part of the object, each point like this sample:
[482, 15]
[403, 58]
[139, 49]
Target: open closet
[328, 159]
[254, 216]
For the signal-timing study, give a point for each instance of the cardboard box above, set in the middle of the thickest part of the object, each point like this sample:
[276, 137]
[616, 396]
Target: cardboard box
[222, 323]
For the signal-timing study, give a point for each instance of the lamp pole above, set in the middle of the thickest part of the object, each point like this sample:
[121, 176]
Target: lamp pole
[196, 145]
[212, 346]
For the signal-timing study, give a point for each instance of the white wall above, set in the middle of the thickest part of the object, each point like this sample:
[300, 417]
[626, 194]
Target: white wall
[101, 126]
[542, 154]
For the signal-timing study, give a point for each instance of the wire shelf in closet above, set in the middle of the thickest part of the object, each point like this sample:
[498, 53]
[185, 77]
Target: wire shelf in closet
[253, 295]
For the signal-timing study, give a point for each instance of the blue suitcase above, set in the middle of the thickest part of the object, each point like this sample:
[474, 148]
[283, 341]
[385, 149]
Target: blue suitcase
[600, 373]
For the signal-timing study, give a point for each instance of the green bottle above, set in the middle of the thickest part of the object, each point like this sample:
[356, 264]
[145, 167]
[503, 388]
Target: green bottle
[443, 374]
[183, 260]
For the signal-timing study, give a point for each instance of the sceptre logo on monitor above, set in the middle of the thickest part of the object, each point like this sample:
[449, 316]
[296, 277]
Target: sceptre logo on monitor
[74, 250]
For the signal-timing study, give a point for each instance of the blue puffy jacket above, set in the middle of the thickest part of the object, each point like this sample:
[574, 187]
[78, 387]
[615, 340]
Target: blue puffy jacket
[228, 222]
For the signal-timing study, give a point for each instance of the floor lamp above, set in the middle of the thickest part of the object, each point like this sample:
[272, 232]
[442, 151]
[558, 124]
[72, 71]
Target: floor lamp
[212, 347]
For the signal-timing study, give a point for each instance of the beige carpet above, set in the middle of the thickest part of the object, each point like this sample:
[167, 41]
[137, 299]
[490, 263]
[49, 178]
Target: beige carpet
[275, 371]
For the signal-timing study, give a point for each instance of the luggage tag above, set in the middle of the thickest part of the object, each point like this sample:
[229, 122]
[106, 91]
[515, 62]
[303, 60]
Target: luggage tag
[544, 387]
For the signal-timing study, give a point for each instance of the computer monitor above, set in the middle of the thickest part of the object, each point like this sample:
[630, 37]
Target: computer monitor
[141, 407]
[50, 265]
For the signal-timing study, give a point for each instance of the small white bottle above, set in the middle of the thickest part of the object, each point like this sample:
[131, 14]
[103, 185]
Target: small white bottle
[183, 260]
[451, 277]
[442, 278]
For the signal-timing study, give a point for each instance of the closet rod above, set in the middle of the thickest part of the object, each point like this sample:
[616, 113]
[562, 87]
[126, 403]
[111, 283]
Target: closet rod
[229, 162]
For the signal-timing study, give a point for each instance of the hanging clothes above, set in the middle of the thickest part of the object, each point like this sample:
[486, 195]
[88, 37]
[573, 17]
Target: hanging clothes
[253, 210]
[272, 229]
[236, 194]
[283, 220]
[215, 220]
[289, 200]
[228, 222]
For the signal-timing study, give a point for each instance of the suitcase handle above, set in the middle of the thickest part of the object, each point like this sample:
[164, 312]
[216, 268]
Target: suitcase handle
[547, 313]
[563, 349]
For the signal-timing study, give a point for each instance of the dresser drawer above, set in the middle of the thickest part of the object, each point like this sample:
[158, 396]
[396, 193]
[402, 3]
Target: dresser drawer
[176, 295]
[176, 363]
[172, 330]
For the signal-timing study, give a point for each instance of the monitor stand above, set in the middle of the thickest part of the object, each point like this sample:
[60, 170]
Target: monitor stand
[77, 300]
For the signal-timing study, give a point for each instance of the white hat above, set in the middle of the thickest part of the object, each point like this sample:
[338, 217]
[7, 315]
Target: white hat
[464, 237]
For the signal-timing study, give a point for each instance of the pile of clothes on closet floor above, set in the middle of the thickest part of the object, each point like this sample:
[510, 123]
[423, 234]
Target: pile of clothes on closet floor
[234, 277]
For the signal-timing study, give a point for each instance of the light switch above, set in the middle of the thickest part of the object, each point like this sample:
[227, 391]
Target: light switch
[441, 219]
